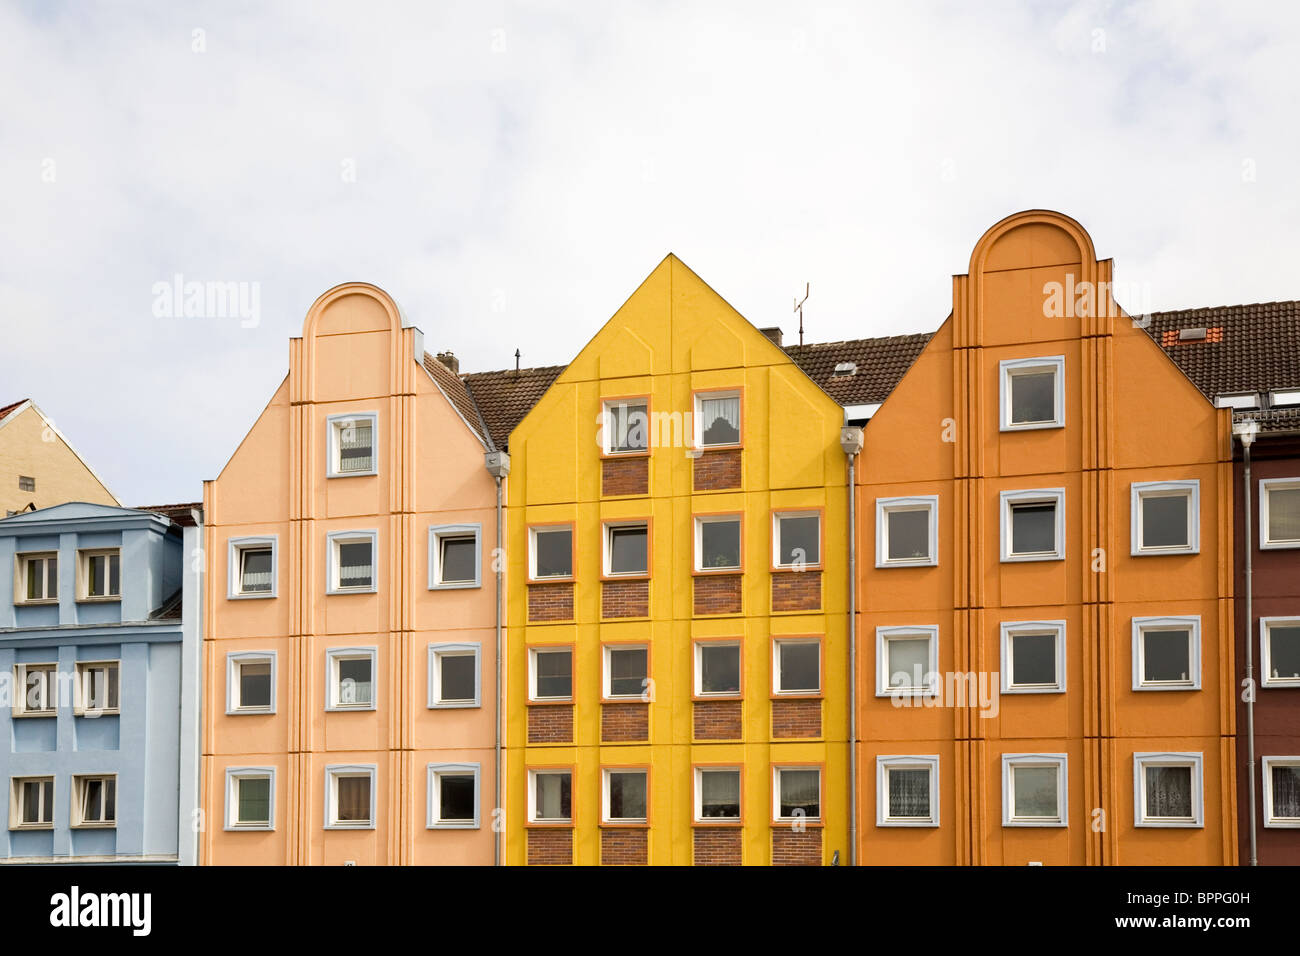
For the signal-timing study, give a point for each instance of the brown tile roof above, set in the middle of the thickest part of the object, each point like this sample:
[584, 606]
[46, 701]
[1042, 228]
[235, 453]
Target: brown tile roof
[505, 397]
[182, 514]
[454, 389]
[879, 365]
[6, 409]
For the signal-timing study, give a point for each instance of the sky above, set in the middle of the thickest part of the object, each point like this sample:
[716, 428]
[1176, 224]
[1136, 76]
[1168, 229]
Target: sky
[509, 172]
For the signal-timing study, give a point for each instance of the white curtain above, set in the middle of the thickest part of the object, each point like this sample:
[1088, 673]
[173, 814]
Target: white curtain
[1286, 792]
[1284, 514]
[355, 451]
[909, 792]
[1169, 791]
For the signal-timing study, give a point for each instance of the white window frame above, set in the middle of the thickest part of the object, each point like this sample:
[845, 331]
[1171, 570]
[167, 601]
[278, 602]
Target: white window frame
[1012, 629]
[887, 506]
[1284, 396]
[234, 776]
[739, 521]
[1192, 624]
[1191, 490]
[1266, 769]
[1266, 624]
[533, 774]
[884, 764]
[1237, 400]
[776, 537]
[436, 772]
[697, 417]
[20, 577]
[19, 708]
[234, 577]
[333, 424]
[532, 553]
[1011, 367]
[79, 780]
[1266, 485]
[699, 670]
[15, 802]
[1061, 762]
[83, 577]
[776, 793]
[333, 687]
[234, 661]
[607, 547]
[777, 643]
[1141, 761]
[607, 674]
[436, 653]
[604, 795]
[436, 534]
[607, 427]
[885, 634]
[699, 795]
[1032, 496]
[79, 703]
[533, 653]
[333, 773]
[332, 541]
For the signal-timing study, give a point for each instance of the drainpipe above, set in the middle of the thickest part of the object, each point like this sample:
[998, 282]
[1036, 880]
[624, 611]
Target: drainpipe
[1245, 432]
[498, 466]
[851, 442]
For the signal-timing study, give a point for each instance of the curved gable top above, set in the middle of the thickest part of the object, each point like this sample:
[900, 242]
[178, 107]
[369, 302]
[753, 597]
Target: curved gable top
[325, 316]
[1055, 239]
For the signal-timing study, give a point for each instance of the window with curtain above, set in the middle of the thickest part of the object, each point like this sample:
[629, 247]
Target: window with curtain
[1284, 513]
[627, 427]
[1169, 792]
[102, 574]
[719, 419]
[355, 445]
[1286, 791]
[42, 577]
[908, 662]
[551, 797]
[355, 564]
[352, 798]
[254, 570]
[799, 790]
[719, 794]
[909, 793]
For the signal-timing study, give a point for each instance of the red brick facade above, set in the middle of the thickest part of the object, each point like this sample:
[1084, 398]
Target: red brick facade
[718, 720]
[550, 602]
[625, 476]
[790, 848]
[625, 599]
[717, 470]
[718, 593]
[796, 718]
[624, 846]
[797, 591]
[550, 724]
[550, 847]
[718, 846]
[624, 722]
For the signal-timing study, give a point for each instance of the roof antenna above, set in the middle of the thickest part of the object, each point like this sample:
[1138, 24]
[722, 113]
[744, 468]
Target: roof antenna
[798, 307]
[516, 361]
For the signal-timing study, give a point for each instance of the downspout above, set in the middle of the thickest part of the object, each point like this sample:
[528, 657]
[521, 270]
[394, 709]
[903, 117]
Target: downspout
[498, 465]
[1245, 431]
[851, 442]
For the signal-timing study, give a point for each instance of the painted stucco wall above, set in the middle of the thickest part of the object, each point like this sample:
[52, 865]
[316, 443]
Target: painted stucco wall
[30, 448]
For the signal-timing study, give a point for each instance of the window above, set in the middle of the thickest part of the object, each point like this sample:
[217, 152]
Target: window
[1237, 400]
[717, 543]
[717, 668]
[351, 562]
[907, 532]
[625, 796]
[454, 675]
[550, 553]
[350, 672]
[627, 549]
[31, 803]
[717, 419]
[1032, 393]
[101, 575]
[350, 797]
[1033, 525]
[250, 683]
[797, 666]
[551, 673]
[1166, 517]
[1281, 791]
[251, 567]
[1284, 396]
[352, 444]
[717, 794]
[797, 793]
[1166, 653]
[455, 556]
[453, 796]
[1035, 790]
[627, 671]
[94, 801]
[97, 688]
[796, 540]
[907, 661]
[1279, 513]
[1280, 651]
[1033, 657]
[250, 798]
[907, 791]
[37, 686]
[37, 580]
[26, 483]
[1167, 790]
[550, 796]
[626, 426]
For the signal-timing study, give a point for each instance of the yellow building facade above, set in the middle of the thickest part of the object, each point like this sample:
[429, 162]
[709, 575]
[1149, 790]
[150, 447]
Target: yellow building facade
[38, 468]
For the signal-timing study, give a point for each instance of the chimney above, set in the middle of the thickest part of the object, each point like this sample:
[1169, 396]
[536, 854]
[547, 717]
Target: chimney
[449, 359]
[773, 333]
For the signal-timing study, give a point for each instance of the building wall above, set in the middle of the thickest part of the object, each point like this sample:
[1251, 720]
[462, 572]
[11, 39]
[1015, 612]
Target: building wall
[1129, 416]
[354, 356]
[30, 448]
[673, 336]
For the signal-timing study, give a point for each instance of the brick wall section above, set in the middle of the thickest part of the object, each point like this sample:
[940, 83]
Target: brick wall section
[624, 846]
[718, 593]
[797, 591]
[625, 476]
[623, 722]
[796, 718]
[625, 599]
[717, 470]
[550, 724]
[796, 849]
[550, 602]
[718, 720]
[550, 847]
[715, 846]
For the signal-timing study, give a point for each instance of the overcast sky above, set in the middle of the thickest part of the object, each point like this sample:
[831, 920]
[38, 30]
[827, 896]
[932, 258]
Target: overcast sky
[510, 172]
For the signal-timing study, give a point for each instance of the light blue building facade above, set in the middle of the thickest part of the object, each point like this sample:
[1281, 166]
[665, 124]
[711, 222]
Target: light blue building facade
[100, 610]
